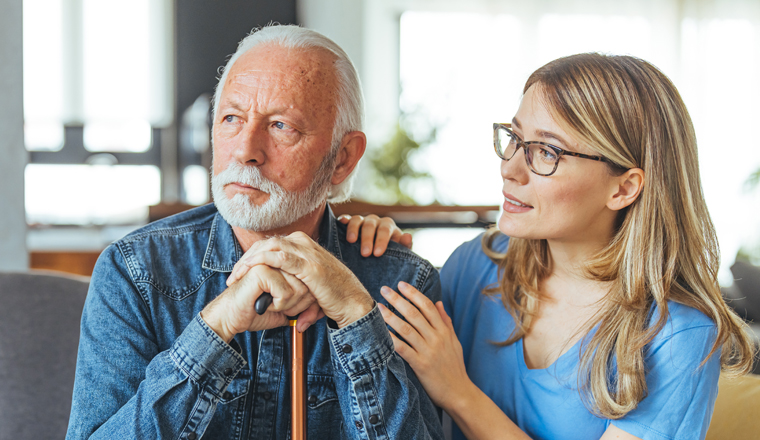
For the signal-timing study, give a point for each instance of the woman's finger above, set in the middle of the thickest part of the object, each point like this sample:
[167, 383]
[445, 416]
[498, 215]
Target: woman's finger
[444, 316]
[353, 228]
[411, 314]
[369, 228]
[406, 352]
[422, 303]
[405, 240]
[403, 328]
[386, 231]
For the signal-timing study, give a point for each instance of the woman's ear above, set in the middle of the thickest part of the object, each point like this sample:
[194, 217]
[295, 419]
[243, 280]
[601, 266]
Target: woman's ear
[351, 150]
[629, 186]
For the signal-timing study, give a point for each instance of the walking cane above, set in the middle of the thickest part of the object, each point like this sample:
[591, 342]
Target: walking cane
[297, 387]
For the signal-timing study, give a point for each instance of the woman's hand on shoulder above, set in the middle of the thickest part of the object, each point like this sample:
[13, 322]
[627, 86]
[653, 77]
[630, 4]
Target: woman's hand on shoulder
[375, 232]
[429, 344]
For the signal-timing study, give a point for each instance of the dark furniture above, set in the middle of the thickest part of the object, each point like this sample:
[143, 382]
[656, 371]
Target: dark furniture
[39, 336]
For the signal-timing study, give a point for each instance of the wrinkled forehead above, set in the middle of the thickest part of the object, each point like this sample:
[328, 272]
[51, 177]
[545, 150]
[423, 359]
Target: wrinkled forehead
[308, 71]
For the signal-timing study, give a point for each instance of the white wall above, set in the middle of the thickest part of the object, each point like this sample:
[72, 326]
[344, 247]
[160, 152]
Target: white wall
[13, 156]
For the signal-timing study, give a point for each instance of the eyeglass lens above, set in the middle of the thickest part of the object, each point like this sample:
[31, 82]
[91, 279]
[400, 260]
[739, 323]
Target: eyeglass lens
[541, 158]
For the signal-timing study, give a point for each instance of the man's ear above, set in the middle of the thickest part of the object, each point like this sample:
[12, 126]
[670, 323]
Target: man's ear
[351, 150]
[629, 186]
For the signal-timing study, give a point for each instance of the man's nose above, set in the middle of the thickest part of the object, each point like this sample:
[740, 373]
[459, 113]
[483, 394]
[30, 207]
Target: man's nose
[516, 168]
[252, 145]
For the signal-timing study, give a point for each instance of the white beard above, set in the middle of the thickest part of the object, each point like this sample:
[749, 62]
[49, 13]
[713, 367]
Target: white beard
[281, 209]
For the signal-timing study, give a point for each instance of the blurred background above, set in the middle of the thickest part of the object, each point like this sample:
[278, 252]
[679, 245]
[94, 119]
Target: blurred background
[104, 116]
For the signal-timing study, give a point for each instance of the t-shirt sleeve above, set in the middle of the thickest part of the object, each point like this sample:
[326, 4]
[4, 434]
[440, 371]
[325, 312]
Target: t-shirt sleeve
[681, 392]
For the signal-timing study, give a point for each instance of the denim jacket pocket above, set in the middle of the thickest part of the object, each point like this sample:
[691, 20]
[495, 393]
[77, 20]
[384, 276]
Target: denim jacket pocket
[323, 408]
[237, 388]
[229, 418]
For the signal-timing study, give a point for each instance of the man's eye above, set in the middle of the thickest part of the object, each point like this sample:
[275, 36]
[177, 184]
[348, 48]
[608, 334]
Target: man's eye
[281, 125]
[229, 118]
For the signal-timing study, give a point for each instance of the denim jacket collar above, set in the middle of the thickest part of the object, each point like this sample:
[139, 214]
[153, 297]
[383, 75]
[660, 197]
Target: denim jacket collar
[223, 249]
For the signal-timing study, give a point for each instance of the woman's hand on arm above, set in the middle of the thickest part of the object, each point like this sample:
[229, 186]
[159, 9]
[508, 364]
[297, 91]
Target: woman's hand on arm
[375, 233]
[432, 349]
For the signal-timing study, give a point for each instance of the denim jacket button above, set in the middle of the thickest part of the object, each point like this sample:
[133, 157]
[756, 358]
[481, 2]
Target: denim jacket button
[192, 436]
[374, 419]
[267, 395]
[227, 371]
[347, 349]
[359, 424]
[227, 395]
[312, 399]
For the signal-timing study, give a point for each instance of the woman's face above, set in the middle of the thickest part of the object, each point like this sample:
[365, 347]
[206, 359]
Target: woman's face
[568, 206]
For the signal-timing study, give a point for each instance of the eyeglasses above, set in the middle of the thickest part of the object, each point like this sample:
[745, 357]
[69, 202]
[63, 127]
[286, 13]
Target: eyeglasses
[542, 158]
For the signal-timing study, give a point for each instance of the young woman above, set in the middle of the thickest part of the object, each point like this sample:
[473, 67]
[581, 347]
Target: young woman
[601, 315]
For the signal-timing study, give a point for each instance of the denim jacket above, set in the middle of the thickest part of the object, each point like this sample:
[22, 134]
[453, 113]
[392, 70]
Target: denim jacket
[150, 368]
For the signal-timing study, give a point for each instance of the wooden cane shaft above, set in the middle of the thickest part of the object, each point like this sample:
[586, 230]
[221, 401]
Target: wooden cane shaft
[298, 384]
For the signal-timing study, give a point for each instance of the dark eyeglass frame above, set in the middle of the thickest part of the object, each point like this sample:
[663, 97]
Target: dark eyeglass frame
[520, 143]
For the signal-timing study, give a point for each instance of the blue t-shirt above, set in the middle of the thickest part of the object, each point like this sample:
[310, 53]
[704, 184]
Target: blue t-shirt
[545, 403]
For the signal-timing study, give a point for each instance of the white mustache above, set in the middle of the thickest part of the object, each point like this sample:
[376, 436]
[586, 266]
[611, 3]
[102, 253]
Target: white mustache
[247, 175]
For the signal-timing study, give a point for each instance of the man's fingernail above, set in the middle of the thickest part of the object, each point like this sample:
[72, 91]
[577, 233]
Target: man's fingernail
[385, 291]
[365, 251]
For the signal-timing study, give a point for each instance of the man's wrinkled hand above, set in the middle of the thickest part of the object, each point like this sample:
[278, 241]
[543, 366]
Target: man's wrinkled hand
[339, 294]
[233, 311]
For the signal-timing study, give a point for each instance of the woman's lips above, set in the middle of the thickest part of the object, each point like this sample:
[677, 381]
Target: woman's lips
[515, 205]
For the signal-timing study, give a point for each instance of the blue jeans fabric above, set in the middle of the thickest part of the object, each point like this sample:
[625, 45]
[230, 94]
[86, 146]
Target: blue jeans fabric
[150, 368]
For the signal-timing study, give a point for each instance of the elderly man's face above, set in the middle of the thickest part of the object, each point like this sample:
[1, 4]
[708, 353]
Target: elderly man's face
[276, 114]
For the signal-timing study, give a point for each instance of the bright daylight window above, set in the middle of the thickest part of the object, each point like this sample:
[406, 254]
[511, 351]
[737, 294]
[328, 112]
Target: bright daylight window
[103, 68]
[461, 82]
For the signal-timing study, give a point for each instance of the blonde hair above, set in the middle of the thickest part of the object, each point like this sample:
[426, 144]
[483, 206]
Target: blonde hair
[665, 246]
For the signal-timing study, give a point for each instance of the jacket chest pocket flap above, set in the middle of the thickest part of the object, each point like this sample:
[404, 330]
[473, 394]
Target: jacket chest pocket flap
[237, 388]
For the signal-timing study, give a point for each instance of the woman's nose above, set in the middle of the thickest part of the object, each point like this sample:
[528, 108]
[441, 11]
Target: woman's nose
[516, 168]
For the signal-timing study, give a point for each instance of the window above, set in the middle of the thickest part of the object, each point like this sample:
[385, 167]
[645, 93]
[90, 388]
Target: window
[97, 90]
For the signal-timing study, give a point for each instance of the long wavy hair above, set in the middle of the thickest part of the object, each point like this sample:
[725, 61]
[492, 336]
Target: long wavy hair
[665, 246]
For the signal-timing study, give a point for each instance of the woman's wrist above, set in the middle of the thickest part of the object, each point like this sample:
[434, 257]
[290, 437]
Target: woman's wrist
[463, 400]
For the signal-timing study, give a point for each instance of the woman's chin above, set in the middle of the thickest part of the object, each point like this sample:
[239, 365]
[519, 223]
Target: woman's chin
[511, 228]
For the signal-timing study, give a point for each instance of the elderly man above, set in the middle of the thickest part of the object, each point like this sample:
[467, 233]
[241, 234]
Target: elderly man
[168, 350]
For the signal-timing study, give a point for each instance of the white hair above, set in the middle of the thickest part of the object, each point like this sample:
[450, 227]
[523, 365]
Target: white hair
[349, 115]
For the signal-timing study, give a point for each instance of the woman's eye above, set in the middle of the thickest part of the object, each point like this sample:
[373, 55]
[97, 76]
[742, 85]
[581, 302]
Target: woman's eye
[547, 154]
